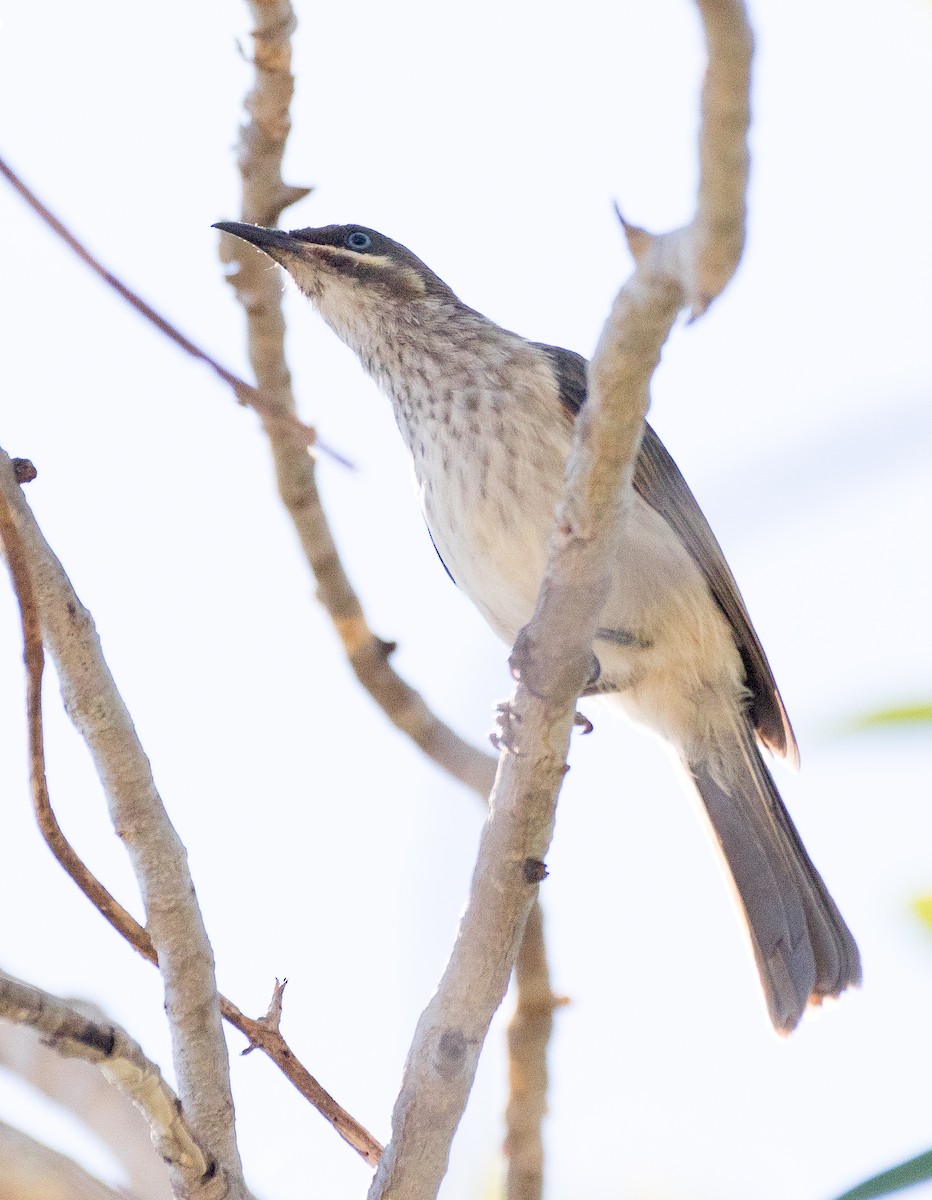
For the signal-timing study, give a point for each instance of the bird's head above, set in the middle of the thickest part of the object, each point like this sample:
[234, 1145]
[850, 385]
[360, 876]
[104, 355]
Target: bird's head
[351, 261]
[380, 299]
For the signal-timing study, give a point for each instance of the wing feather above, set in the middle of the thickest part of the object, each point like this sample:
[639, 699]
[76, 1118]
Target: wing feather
[658, 480]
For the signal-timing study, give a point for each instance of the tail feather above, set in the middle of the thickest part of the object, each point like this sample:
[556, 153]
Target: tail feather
[803, 948]
[838, 961]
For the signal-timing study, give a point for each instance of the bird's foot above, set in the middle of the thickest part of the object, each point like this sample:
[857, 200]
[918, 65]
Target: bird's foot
[504, 735]
[581, 721]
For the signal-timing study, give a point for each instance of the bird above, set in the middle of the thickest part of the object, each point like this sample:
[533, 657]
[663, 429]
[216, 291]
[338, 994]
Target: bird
[487, 417]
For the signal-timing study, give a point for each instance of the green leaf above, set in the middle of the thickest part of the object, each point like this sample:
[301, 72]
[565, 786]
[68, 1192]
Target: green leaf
[901, 714]
[915, 1170]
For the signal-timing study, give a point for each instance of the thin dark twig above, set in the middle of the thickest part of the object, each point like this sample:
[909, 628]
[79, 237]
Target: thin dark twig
[238, 385]
[245, 393]
[263, 1035]
[34, 658]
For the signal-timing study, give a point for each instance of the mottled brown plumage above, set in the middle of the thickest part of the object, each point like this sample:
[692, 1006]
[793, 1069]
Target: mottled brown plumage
[487, 418]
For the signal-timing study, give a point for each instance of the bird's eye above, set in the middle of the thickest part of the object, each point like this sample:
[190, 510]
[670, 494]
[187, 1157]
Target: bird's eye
[357, 240]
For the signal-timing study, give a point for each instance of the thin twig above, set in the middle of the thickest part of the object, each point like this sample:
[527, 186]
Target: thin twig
[262, 145]
[266, 1037]
[245, 393]
[552, 655]
[16, 518]
[121, 1059]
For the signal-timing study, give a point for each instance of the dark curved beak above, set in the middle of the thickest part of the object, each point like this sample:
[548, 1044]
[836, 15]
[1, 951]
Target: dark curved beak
[265, 239]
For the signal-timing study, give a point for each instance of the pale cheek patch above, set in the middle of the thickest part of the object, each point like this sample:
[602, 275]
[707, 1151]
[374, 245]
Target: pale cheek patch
[308, 278]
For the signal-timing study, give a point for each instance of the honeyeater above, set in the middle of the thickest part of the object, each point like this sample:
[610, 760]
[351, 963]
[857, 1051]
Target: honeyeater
[488, 420]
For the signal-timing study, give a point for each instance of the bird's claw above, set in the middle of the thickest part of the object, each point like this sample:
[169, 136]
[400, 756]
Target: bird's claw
[503, 736]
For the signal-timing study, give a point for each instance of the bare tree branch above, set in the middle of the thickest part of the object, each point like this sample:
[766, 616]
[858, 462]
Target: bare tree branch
[31, 1171]
[694, 267]
[83, 1090]
[195, 1173]
[265, 195]
[173, 915]
[15, 516]
[528, 1037]
[262, 146]
[553, 654]
[724, 162]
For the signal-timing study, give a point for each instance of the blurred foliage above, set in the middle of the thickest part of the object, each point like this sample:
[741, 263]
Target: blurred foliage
[914, 1170]
[922, 907]
[901, 714]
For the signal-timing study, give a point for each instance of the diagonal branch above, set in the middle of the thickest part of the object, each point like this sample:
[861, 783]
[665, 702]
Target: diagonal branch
[91, 678]
[265, 1036]
[551, 658]
[104, 1043]
[81, 1089]
[245, 393]
[265, 195]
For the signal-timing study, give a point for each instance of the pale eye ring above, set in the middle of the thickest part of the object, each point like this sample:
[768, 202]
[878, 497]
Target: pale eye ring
[357, 240]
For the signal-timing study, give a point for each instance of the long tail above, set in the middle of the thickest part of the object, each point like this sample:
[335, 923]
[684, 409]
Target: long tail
[804, 949]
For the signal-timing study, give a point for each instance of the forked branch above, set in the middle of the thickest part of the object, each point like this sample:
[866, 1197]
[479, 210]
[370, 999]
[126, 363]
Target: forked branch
[90, 692]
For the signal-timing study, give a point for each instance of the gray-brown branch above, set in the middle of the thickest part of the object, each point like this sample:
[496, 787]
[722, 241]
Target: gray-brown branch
[552, 655]
[16, 516]
[82, 1089]
[70, 1032]
[265, 195]
[173, 916]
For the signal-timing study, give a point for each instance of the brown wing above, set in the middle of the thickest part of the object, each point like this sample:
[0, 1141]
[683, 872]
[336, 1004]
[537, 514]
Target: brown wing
[658, 481]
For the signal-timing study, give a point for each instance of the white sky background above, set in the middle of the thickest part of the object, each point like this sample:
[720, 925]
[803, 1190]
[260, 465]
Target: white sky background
[492, 141]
